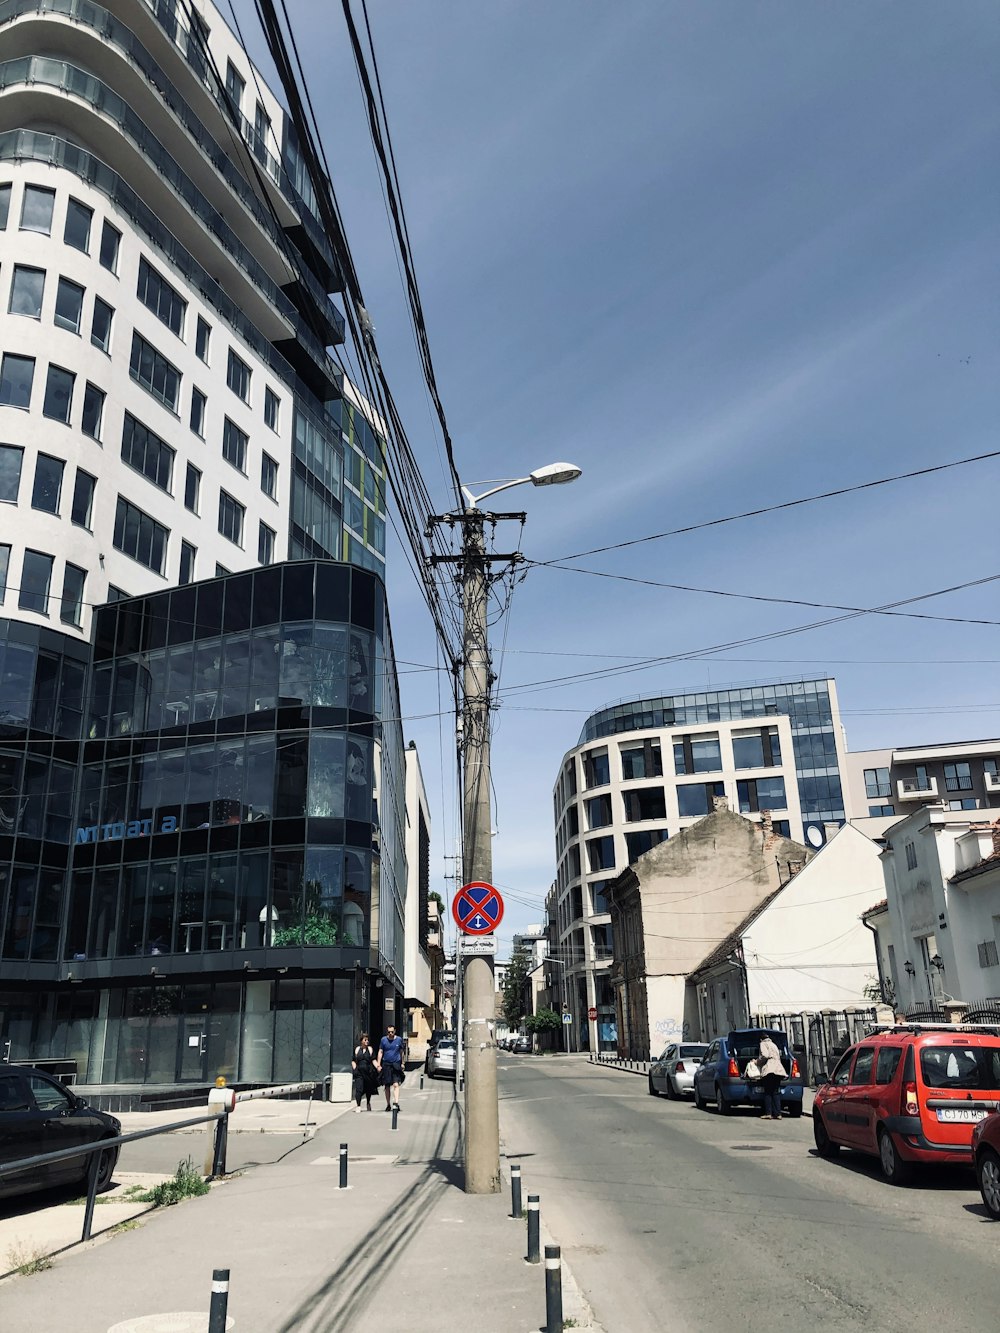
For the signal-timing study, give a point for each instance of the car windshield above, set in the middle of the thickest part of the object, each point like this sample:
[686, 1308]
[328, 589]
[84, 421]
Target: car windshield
[691, 1051]
[966, 1067]
[446, 1045]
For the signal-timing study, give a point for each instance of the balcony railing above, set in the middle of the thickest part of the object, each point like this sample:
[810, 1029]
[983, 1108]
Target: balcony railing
[992, 782]
[915, 789]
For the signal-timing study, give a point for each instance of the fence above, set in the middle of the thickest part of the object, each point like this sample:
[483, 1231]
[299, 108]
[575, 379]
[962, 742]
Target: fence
[818, 1040]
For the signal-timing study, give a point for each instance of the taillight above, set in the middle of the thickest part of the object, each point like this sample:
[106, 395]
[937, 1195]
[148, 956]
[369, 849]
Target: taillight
[734, 1069]
[910, 1106]
[679, 1067]
[795, 1068]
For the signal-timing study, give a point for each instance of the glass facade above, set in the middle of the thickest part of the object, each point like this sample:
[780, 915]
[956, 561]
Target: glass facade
[211, 796]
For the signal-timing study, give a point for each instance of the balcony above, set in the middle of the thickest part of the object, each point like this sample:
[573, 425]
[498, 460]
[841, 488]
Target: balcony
[915, 789]
[992, 783]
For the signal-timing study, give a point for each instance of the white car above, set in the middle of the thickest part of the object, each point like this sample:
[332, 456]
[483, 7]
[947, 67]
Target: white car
[673, 1072]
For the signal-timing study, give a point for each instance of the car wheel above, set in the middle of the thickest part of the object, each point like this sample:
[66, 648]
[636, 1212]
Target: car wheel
[825, 1146]
[652, 1090]
[895, 1170]
[723, 1106]
[699, 1100]
[671, 1090]
[988, 1175]
[107, 1162]
[795, 1109]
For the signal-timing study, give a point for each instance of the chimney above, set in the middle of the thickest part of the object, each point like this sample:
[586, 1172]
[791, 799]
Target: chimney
[766, 828]
[720, 803]
[830, 829]
[996, 838]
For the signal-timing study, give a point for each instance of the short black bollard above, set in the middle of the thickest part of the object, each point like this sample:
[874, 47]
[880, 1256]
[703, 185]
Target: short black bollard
[421, 1082]
[553, 1290]
[220, 1300]
[343, 1166]
[515, 1190]
[221, 1141]
[534, 1222]
[395, 1115]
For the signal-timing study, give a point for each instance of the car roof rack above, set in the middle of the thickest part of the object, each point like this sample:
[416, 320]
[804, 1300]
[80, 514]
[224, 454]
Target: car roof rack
[985, 1029]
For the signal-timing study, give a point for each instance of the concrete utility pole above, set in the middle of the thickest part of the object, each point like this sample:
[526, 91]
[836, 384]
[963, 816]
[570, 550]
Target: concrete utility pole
[482, 1116]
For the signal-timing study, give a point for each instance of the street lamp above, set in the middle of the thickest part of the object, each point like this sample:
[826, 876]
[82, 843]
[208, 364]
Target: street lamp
[482, 1120]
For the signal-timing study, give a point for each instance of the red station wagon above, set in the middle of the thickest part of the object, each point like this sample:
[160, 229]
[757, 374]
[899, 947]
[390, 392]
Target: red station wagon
[910, 1094]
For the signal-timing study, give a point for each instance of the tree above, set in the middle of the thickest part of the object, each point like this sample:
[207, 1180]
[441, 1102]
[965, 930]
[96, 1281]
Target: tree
[513, 987]
[546, 1020]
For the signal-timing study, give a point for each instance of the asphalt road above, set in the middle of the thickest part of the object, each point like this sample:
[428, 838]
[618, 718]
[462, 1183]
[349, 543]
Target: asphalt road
[673, 1218]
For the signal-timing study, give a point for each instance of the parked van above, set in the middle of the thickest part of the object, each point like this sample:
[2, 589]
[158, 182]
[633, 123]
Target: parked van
[910, 1094]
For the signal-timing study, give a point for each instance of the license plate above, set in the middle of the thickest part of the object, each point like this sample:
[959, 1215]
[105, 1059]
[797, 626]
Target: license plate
[962, 1116]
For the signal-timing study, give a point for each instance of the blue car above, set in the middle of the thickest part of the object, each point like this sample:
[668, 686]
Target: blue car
[721, 1076]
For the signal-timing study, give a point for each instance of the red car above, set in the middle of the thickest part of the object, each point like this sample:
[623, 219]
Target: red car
[911, 1094]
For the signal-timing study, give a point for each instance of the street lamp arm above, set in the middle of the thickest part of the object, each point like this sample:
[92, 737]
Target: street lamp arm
[474, 500]
[552, 474]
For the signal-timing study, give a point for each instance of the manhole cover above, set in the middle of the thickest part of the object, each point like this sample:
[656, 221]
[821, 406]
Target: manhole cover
[184, 1321]
[752, 1147]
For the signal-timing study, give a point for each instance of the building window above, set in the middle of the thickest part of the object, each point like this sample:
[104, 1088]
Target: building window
[269, 476]
[47, 489]
[221, 571]
[922, 779]
[100, 327]
[11, 458]
[69, 305]
[988, 956]
[878, 811]
[234, 445]
[759, 748]
[642, 761]
[139, 536]
[231, 514]
[235, 84]
[154, 372]
[58, 402]
[991, 767]
[71, 608]
[83, 499]
[188, 556]
[697, 799]
[143, 450]
[238, 376]
[192, 488]
[158, 295]
[77, 230]
[202, 339]
[116, 594]
[198, 401]
[911, 855]
[26, 291]
[761, 794]
[36, 578]
[877, 783]
[644, 803]
[261, 132]
[4, 567]
[93, 411]
[601, 853]
[271, 403]
[36, 209]
[596, 769]
[111, 239]
[637, 844]
[958, 777]
[4, 205]
[964, 803]
[697, 754]
[16, 376]
[598, 811]
[265, 545]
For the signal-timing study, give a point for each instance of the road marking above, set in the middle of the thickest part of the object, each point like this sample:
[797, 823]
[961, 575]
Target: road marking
[183, 1321]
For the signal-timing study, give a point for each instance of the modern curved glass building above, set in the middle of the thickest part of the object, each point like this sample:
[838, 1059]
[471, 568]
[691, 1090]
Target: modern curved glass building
[645, 768]
[201, 771]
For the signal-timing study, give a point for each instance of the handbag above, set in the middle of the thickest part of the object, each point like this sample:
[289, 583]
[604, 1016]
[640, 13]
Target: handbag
[752, 1071]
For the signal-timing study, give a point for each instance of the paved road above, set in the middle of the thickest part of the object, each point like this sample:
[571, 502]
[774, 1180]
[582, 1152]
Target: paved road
[676, 1218]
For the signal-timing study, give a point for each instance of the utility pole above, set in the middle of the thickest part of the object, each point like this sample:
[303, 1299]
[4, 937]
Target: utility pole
[482, 1112]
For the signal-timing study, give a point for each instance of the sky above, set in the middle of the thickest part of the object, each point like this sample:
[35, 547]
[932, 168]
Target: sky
[718, 255]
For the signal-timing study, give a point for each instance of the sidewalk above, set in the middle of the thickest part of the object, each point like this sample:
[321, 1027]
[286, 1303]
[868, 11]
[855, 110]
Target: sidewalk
[307, 1257]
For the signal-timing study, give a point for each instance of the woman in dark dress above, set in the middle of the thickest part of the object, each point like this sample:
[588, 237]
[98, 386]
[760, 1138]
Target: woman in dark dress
[366, 1078]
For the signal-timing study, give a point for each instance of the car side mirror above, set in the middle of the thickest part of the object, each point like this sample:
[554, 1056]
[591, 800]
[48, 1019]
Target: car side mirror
[79, 1102]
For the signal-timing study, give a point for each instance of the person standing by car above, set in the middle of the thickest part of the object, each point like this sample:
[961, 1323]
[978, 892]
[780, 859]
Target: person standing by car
[366, 1078]
[772, 1072]
[390, 1066]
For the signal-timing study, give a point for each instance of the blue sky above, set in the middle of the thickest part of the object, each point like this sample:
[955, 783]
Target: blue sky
[719, 255]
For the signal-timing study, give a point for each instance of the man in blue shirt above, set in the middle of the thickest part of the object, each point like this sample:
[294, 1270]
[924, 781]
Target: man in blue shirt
[390, 1065]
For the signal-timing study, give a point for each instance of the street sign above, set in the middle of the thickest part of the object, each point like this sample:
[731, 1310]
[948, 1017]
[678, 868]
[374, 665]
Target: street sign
[475, 945]
[477, 909]
[567, 1020]
[592, 1013]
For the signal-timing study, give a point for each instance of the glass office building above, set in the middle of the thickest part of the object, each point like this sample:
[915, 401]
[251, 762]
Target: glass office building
[202, 864]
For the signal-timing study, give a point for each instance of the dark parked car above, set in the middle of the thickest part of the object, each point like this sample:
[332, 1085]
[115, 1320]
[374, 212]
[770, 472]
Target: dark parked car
[721, 1076]
[986, 1155]
[38, 1115]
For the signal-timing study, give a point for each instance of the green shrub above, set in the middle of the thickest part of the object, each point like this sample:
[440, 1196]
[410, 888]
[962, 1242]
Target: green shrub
[187, 1183]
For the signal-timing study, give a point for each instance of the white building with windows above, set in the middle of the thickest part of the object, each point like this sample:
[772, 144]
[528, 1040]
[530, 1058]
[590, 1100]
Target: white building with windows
[883, 786]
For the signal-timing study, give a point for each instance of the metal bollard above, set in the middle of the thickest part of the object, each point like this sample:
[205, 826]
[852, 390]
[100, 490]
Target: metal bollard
[515, 1190]
[221, 1142]
[553, 1290]
[220, 1300]
[93, 1167]
[421, 1082]
[343, 1166]
[534, 1224]
[395, 1115]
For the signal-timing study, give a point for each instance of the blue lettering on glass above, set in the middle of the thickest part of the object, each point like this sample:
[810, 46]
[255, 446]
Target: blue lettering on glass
[117, 832]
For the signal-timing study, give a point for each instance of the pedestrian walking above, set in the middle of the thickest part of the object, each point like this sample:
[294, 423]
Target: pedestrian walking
[390, 1066]
[772, 1073]
[366, 1078]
